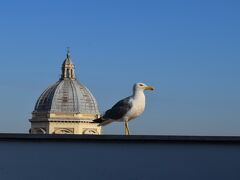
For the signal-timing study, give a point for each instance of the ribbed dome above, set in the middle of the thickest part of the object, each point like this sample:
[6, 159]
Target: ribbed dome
[67, 96]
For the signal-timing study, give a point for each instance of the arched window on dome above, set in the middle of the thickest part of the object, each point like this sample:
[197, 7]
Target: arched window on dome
[68, 73]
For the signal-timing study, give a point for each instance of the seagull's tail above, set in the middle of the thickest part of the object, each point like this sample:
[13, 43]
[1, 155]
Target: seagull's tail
[99, 120]
[102, 122]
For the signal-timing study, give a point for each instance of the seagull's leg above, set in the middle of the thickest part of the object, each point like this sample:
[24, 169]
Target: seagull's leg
[127, 132]
[125, 124]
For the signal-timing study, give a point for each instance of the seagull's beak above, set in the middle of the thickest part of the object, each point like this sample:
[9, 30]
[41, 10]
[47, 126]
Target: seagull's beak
[151, 88]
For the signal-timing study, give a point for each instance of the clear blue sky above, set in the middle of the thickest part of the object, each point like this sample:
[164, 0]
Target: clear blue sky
[189, 50]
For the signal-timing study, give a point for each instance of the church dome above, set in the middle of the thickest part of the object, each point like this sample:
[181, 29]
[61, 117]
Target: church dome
[67, 95]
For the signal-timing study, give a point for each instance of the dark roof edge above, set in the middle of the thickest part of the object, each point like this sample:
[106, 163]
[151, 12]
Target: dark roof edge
[120, 138]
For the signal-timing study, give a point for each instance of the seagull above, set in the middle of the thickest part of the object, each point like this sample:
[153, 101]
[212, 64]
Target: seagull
[126, 109]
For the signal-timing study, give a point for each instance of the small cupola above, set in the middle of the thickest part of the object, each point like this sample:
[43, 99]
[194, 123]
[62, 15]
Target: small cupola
[68, 71]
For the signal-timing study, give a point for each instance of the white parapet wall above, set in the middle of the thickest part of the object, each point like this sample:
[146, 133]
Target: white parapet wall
[78, 157]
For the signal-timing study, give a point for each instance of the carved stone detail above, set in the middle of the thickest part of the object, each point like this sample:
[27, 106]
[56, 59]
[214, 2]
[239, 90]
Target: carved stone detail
[63, 131]
[90, 131]
[38, 131]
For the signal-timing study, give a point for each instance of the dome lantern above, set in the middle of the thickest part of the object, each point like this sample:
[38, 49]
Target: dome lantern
[68, 71]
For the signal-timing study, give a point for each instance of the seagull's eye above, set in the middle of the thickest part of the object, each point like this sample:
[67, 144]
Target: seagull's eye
[140, 84]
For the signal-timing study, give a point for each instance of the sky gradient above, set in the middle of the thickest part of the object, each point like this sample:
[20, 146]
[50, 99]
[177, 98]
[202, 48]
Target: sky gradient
[189, 50]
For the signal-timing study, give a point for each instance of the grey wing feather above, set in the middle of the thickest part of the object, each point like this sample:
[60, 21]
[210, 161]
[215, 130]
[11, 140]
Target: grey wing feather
[119, 109]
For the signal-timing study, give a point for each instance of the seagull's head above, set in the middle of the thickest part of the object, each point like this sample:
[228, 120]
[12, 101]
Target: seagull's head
[142, 87]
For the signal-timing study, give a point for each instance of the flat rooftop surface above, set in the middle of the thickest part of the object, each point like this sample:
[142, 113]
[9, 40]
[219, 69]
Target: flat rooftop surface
[120, 138]
[119, 157]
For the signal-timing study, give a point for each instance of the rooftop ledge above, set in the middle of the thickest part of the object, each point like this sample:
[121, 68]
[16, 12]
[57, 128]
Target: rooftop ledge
[119, 138]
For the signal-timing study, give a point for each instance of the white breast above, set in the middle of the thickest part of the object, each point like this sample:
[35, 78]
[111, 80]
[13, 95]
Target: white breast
[138, 106]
